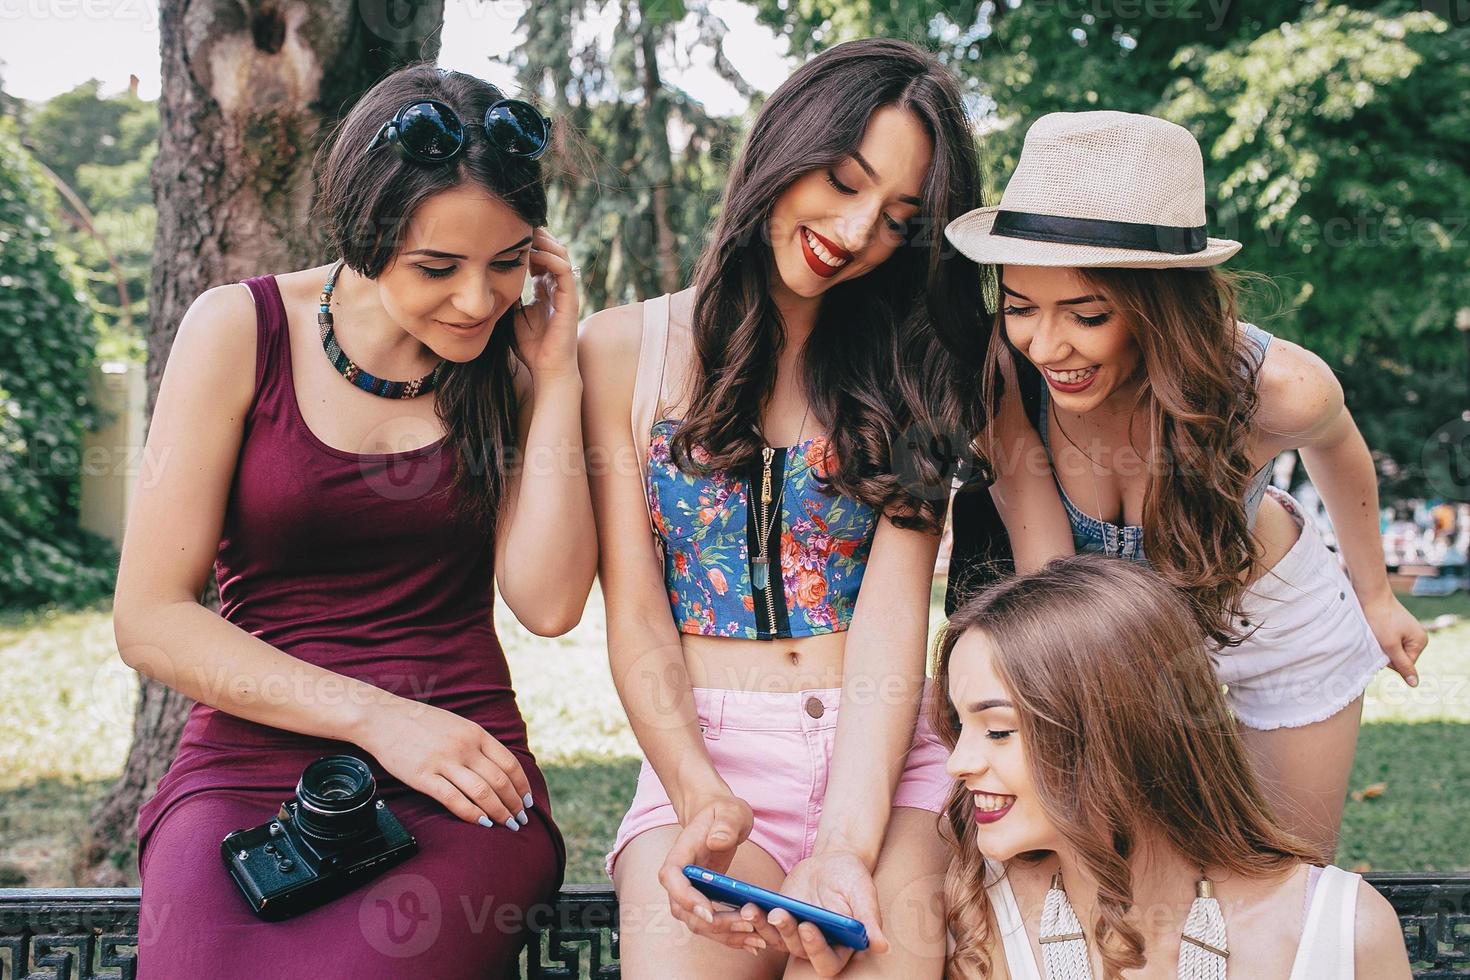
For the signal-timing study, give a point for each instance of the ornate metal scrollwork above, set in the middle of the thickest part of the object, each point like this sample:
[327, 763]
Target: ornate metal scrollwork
[92, 933]
[1434, 911]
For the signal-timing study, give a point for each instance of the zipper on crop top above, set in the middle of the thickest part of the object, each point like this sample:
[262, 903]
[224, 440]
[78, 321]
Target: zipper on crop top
[765, 550]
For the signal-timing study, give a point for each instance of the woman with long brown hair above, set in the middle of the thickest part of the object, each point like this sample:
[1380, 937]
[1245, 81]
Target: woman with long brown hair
[1106, 817]
[341, 447]
[1162, 415]
[779, 412]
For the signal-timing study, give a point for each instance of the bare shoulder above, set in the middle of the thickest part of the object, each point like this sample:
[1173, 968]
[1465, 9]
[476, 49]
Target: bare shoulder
[608, 343]
[225, 314]
[613, 334]
[216, 342]
[1378, 939]
[1299, 395]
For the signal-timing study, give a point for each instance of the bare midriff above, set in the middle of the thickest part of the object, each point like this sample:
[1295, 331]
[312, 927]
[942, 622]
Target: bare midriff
[779, 666]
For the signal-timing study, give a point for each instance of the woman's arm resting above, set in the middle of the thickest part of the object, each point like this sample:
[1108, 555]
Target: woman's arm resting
[1301, 407]
[882, 682]
[882, 686]
[644, 651]
[173, 534]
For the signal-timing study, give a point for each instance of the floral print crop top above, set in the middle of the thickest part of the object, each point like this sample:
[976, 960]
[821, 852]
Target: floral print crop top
[710, 535]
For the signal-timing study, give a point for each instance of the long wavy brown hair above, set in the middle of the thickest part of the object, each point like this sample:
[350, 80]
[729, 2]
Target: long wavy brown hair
[1198, 388]
[875, 372]
[1125, 732]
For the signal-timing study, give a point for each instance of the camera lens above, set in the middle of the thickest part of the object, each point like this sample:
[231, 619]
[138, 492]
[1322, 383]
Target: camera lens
[334, 797]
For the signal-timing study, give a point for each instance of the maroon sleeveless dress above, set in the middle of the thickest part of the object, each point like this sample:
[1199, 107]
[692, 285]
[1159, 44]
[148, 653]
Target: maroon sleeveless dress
[355, 563]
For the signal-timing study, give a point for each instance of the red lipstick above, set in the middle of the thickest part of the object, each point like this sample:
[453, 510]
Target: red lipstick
[813, 260]
[991, 816]
[1072, 389]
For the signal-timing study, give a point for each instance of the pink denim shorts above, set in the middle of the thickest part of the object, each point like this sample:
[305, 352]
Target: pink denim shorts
[1310, 651]
[774, 750]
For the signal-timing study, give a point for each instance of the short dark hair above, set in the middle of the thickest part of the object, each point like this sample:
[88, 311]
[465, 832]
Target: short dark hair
[365, 202]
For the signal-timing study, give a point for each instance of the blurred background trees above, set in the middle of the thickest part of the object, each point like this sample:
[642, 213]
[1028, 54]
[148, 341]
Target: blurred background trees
[101, 149]
[48, 333]
[642, 179]
[1337, 151]
[1336, 140]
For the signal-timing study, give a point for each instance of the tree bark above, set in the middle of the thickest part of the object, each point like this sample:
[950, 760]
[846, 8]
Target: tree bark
[248, 91]
[661, 158]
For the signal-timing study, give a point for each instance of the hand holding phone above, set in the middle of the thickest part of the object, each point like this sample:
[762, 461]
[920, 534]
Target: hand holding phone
[839, 930]
[710, 837]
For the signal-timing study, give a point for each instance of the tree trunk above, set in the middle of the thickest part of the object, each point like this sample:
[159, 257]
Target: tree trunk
[661, 157]
[249, 88]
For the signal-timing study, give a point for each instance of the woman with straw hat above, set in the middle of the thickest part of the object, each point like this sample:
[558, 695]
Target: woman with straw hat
[1162, 415]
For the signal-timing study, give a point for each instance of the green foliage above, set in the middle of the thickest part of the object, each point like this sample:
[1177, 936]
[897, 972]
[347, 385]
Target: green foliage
[1398, 407]
[1337, 151]
[103, 148]
[81, 127]
[651, 161]
[47, 334]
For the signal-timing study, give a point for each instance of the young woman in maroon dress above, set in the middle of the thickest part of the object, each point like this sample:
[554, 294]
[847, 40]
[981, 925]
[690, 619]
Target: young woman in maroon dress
[358, 528]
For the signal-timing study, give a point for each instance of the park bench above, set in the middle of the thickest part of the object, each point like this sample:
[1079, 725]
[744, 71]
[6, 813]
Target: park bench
[86, 933]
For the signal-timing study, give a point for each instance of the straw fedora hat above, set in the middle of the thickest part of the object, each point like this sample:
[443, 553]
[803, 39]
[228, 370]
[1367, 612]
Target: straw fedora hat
[1098, 189]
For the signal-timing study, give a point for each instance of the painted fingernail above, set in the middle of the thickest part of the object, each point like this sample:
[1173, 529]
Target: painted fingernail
[755, 941]
[528, 801]
[1413, 680]
[511, 823]
[523, 818]
[486, 821]
[706, 915]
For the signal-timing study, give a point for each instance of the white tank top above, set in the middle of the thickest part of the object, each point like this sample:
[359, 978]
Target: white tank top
[1325, 949]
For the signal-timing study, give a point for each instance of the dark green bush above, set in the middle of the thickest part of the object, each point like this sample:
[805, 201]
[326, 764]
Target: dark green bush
[48, 337]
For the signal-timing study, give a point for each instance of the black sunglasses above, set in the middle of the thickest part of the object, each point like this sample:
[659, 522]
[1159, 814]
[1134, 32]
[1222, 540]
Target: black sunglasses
[428, 131]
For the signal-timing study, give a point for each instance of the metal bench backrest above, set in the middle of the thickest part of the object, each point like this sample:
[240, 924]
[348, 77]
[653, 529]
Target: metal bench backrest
[87, 933]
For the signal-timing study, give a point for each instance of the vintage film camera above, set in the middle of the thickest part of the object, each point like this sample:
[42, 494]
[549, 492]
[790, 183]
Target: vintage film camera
[333, 836]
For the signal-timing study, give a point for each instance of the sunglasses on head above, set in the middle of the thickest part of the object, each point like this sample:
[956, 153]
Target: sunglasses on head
[428, 131]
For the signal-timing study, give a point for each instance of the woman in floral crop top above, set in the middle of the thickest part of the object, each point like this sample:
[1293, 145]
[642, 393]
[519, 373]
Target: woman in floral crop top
[770, 556]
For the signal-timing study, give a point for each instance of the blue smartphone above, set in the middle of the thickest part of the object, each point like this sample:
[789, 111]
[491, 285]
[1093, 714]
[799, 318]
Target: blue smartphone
[839, 930]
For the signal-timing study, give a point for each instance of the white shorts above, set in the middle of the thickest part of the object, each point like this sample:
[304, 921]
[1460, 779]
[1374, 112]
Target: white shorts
[1309, 652]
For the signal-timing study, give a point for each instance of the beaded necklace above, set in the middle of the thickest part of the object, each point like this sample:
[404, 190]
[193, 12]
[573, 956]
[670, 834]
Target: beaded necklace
[349, 370]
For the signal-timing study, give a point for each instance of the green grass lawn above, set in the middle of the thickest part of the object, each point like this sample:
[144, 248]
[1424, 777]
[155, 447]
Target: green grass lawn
[65, 734]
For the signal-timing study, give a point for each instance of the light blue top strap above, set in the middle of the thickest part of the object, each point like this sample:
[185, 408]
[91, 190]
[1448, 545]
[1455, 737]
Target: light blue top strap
[1092, 534]
[1260, 340]
[1256, 489]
